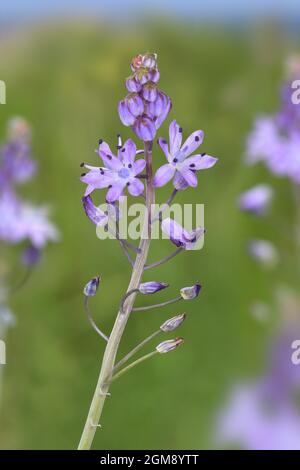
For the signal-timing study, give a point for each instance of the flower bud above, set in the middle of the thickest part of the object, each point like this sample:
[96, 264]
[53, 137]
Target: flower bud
[149, 61]
[132, 85]
[136, 62]
[144, 128]
[135, 104]
[91, 287]
[189, 293]
[31, 256]
[152, 287]
[125, 115]
[169, 345]
[149, 91]
[173, 323]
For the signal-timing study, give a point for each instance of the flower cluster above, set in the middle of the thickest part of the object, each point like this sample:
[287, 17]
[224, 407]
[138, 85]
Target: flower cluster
[144, 109]
[275, 139]
[19, 220]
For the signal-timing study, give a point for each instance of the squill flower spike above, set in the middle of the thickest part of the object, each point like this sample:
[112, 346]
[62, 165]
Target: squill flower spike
[169, 345]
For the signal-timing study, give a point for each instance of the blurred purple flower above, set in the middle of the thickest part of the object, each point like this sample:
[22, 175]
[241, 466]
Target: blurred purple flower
[118, 172]
[264, 252]
[16, 165]
[181, 166]
[179, 236]
[256, 200]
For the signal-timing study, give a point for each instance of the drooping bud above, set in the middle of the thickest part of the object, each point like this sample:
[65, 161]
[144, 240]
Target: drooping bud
[132, 85]
[135, 104]
[149, 91]
[91, 287]
[144, 128]
[190, 293]
[173, 323]
[152, 287]
[31, 256]
[169, 345]
[125, 115]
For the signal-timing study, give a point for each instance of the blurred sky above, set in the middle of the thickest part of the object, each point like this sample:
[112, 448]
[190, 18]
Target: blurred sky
[219, 10]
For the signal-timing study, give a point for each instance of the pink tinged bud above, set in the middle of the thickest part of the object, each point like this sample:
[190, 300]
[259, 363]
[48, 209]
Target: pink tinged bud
[190, 293]
[136, 62]
[173, 323]
[149, 92]
[133, 85]
[135, 104]
[125, 115]
[169, 345]
[152, 287]
[144, 128]
[91, 287]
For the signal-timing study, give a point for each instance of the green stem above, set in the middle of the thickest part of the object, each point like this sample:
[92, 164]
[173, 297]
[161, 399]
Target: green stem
[162, 304]
[133, 364]
[111, 350]
[136, 349]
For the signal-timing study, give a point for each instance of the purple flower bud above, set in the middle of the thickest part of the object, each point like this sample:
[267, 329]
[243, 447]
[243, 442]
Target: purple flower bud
[157, 107]
[91, 287]
[144, 128]
[154, 75]
[149, 61]
[96, 215]
[173, 323]
[190, 293]
[256, 200]
[135, 104]
[125, 115]
[31, 256]
[169, 345]
[149, 91]
[152, 287]
[133, 85]
[136, 62]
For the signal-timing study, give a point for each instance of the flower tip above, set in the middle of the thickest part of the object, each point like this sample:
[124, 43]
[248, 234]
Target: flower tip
[90, 289]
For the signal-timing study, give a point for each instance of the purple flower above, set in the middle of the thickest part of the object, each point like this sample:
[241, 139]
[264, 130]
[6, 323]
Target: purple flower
[264, 252]
[20, 221]
[96, 215]
[152, 287]
[118, 172]
[16, 165]
[181, 166]
[179, 236]
[256, 200]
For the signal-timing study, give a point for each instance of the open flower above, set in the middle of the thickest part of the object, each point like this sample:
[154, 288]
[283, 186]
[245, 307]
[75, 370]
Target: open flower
[118, 172]
[179, 236]
[181, 166]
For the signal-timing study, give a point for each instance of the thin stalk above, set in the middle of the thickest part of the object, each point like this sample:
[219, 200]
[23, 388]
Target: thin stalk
[165, 206]
[133, 364]
[136, 349]
[163, 304]
[125, 297]
[111, 350]
[91, 320]
[164, 260]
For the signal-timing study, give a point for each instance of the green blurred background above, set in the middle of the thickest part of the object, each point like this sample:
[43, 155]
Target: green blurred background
[66, 78]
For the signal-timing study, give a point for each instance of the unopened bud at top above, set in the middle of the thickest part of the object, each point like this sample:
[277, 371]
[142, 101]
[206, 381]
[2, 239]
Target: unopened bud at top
[191, 292]
[148, 61]
[91, 287]
[173, 323]
[152, 287]
[169, 345]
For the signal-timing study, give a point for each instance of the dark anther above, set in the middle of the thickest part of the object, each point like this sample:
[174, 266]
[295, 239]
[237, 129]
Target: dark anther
[203, 154]
[82, 165]
[175, 160]
[180, 130]
[197, 138]
[100, 141]
[110, 186]
[192, 165]
[101, 171]
[109, 157]
[83, 174]
[123, 149]
[128, 184]
[129, 166]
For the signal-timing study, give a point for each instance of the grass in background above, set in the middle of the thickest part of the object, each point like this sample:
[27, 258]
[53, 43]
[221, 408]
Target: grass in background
[67, 80]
